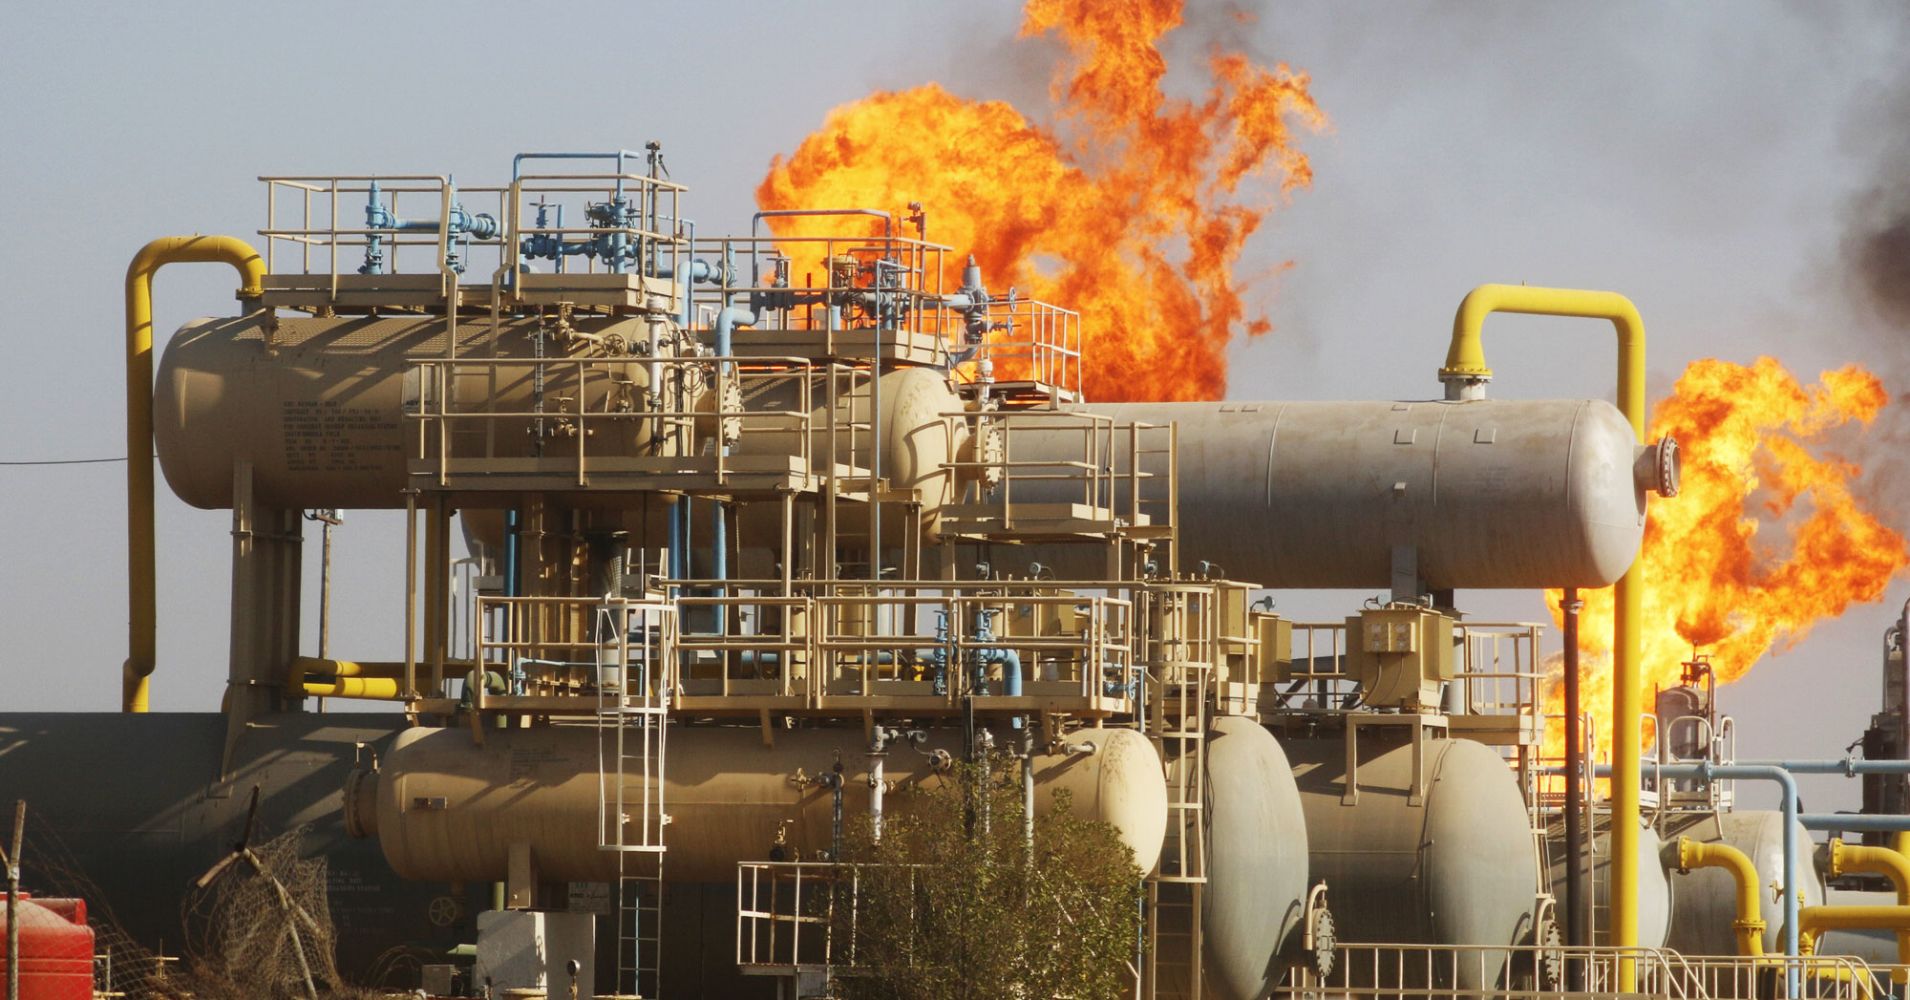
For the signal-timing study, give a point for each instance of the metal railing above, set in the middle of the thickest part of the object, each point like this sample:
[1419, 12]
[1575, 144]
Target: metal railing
[1541, 972]
[935, 642]
[1029, 341]
[554, 647]
[1498, 673]
[310, 218]
[801, 915]
[1118, 470]
[842, 283]
[588, 413]
[630, 223]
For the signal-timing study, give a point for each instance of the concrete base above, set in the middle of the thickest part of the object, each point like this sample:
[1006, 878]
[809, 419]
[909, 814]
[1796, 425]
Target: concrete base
[528, 949]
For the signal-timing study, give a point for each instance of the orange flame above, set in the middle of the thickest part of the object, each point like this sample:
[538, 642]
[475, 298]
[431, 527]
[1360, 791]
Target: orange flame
[1714, 575]
[1134, 212]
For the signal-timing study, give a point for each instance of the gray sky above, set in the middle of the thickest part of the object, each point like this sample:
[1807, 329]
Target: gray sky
[1702, 159]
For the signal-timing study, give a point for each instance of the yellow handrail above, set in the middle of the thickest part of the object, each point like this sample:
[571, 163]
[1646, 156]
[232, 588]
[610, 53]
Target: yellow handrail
[141, 577]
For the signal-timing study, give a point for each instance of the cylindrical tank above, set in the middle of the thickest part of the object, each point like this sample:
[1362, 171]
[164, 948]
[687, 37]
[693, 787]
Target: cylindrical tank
[1704, 900]
[1256, 859]
[1452, 865]
[56, 949]
[1487, 493]
[1654, 885]
[445, 809]
[318, 405]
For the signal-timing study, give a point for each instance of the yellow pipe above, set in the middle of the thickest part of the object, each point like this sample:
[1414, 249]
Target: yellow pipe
[1748, 928]
[302, 667]
[1466, 366]
[1856, 858]
[384, 688]
[143, 616]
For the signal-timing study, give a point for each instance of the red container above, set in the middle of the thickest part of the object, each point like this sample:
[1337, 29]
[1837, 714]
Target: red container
[56, 949]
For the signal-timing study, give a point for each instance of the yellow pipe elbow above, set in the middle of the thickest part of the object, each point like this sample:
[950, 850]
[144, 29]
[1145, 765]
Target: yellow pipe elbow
[1749, 925]
[1858, 859]
[141, 576]
[375, 688]
[1466, 358]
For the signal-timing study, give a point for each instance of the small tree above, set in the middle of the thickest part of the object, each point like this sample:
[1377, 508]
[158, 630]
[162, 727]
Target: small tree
[953, 903]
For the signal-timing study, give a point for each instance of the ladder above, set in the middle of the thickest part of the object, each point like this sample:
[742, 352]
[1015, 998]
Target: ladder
[636, 643]
[639, 923]
[1182, 665]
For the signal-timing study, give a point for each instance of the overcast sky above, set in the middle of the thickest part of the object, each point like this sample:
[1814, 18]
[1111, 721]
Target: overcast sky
[1702, 159]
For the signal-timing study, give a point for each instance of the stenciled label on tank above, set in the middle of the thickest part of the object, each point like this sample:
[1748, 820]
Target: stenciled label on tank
[328, 436]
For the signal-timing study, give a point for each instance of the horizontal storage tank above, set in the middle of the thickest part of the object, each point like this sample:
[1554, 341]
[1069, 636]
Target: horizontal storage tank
[1255, 898]
[1454, 865]
[1705, 900]
[1488, 493]
[318, 405]
[1654, 883]
[444, 809]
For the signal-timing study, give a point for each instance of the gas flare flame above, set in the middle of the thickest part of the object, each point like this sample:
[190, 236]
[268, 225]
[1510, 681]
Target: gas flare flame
[1765, 538]
[1133, 209]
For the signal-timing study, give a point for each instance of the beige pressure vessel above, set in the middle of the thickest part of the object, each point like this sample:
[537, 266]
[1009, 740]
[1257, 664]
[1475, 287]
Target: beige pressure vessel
[1654, 885]
[1450, 863]
[1483, 493]
[318, 405]
[444, 809]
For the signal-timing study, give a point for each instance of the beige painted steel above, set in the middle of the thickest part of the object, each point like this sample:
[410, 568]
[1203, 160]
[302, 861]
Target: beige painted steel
[1704, 901]
[1490, 493]
[1454, 865]
[1654, 883]
[319, 411]
[1255, 900]
[917, 437]
[447, 810]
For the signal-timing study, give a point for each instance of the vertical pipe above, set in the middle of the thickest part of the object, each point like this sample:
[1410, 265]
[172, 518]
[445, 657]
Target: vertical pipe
[411, 594]
[1027, 790]
[142, 638]
[674, 535]
[325, 591]
[13, 901]
[878, 753]
[1575, 924]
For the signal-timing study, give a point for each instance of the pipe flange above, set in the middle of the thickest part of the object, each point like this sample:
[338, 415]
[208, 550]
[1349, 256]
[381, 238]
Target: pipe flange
[1658, 468]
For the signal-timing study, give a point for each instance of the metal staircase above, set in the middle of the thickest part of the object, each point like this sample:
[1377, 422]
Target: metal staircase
[635, 681]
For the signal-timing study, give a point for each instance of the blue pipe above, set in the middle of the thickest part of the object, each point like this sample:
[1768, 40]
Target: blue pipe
[674, 537]
[727, 321]
[1855, 822]
[1849, 767]
[985, 656]
[459, 223]
[938, 657]
[1705, 772]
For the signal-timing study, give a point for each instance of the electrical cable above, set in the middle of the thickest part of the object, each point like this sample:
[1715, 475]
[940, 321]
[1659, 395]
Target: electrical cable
[67, 461]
